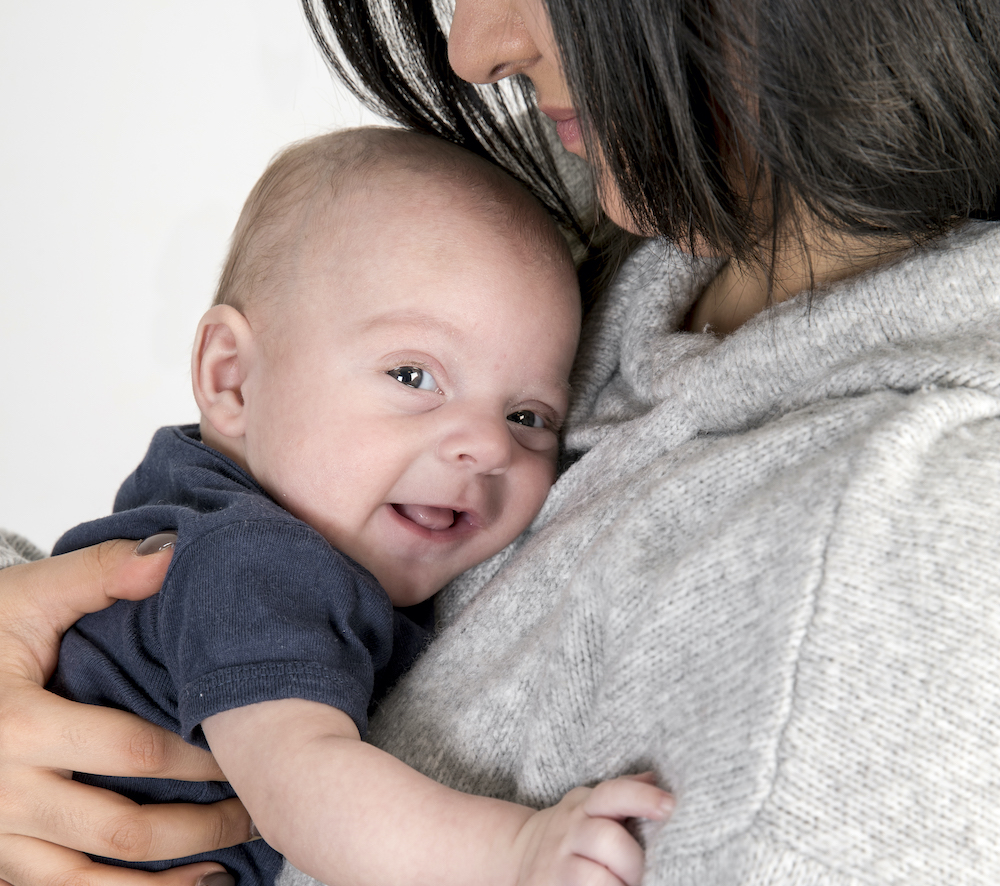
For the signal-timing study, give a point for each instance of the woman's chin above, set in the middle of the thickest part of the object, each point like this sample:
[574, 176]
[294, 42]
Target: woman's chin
[615, 210]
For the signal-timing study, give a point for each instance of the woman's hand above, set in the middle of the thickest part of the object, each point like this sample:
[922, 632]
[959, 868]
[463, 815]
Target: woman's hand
[47, 820]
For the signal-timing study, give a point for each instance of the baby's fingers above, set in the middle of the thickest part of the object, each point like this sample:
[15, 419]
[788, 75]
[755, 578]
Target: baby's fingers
[610, 853]
[630, 796]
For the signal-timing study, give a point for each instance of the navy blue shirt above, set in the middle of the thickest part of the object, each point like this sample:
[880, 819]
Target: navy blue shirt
[256, 606]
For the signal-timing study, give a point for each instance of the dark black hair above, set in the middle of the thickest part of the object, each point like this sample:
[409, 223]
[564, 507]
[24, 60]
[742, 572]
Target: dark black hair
[714, 117]
[393, 56]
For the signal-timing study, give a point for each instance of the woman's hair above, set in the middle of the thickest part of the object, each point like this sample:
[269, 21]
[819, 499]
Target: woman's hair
[393, 56]
[719, 119]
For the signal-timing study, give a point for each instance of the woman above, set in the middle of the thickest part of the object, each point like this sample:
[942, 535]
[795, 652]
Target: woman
[769, 572]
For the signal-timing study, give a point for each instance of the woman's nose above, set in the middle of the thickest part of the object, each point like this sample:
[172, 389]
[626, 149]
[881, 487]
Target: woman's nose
[488, 41]
[482, 445]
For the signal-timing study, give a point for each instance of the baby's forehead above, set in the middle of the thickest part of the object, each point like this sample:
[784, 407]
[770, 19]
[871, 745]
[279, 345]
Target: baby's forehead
[423, 209]
[385, 260]
[327, 188]
[386, 222]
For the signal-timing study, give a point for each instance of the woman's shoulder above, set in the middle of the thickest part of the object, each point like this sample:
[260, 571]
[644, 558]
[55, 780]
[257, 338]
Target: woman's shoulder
[894, 684]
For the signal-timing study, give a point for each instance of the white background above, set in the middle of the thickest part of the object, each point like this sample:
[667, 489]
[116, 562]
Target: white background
[132, 132]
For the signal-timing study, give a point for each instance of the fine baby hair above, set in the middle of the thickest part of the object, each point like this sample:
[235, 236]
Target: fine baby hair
[321, 170]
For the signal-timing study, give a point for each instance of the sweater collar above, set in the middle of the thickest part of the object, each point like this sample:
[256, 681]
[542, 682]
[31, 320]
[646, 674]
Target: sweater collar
[932, 318]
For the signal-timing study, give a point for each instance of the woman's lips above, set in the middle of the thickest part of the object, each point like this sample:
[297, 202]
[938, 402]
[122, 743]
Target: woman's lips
[567, 127]
[569, 133]
[427, 516]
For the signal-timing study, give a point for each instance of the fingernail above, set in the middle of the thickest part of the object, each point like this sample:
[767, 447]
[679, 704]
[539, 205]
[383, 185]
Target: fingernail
[667, 805]
[219, 878]
[254, 833]
[159, 542]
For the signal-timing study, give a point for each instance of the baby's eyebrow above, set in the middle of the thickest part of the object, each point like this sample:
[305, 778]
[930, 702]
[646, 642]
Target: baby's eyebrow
[410, 317]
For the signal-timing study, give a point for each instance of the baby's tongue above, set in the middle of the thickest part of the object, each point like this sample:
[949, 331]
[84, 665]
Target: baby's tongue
[428, 517]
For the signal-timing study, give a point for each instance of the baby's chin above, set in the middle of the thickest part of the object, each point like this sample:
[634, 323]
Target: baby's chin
[403, 594]
[409, 590]
[404, 586]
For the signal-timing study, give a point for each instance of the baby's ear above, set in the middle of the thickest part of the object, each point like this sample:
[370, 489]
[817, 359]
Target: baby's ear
[223, 349]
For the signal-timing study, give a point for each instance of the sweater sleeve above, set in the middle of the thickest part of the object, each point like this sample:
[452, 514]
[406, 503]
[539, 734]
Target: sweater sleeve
[887, 769]
[16, 549]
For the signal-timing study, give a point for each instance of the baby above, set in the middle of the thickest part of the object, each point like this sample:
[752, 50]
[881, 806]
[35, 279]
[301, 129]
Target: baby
[381, 384]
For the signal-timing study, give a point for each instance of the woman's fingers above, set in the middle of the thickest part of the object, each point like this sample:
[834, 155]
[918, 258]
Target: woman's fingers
[28, 862]
[41, 809]
[46, 731]
[40, 600]
[101, 822]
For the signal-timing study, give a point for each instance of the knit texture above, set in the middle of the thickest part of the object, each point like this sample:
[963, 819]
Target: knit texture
[16, 549]
[771, 576]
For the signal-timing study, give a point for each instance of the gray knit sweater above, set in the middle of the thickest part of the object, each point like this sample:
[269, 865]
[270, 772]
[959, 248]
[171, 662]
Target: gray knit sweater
[771, 577]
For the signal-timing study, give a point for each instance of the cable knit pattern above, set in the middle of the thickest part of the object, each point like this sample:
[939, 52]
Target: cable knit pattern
[771, 576]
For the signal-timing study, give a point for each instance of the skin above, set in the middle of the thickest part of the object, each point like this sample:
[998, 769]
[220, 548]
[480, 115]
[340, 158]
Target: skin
[411, 416]
[419, 479]
[407, 409]
[490, 40]
[38, 750]
[493, 39]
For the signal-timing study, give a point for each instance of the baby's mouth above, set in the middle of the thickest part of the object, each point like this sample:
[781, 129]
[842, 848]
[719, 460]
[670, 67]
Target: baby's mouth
[428, 516]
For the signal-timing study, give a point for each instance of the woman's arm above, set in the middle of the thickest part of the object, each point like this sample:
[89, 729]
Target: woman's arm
[47, 820]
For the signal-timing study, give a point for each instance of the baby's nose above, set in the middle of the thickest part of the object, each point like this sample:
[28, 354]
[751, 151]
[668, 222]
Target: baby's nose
[479, 443]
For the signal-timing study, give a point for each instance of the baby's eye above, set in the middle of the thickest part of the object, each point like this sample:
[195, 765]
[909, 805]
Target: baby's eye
[414, 377]
[527, 418]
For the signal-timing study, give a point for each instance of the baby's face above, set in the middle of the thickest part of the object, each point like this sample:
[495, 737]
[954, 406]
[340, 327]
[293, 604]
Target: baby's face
[409, 397]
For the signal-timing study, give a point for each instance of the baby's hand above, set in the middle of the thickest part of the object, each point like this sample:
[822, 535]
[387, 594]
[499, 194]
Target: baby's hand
[582, 839]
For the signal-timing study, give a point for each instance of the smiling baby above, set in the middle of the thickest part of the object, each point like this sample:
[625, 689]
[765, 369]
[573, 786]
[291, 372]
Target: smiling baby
[381, 383]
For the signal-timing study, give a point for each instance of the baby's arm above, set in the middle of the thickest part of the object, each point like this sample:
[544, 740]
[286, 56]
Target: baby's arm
[347, 813]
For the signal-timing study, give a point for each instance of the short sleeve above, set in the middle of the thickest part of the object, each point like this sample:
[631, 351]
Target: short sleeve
[261, 610]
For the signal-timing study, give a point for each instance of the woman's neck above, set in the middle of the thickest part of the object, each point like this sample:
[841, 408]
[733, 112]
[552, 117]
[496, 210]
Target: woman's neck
[741, 290]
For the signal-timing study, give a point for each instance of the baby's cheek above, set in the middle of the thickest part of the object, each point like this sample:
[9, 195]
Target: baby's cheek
[533, 490]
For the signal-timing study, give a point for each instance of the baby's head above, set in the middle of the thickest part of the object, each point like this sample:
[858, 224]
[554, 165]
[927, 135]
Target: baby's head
[390, 349]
